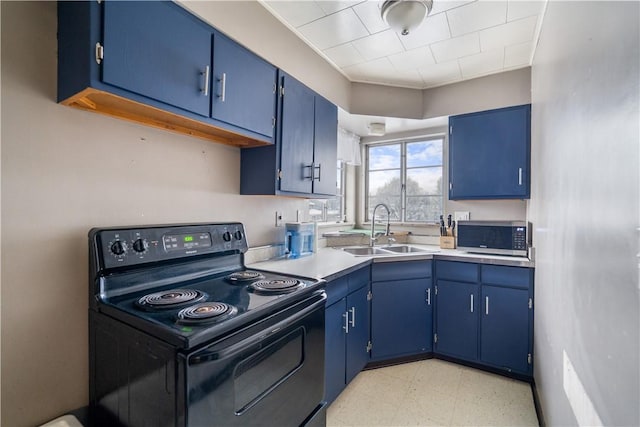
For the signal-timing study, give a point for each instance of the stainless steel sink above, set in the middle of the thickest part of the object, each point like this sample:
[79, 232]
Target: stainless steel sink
[406, 249]
[385, 250]
[366, 251]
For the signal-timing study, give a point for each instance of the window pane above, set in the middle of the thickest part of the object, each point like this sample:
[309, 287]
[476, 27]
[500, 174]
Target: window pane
[424, 208]
[316, 208]
[384, 182]
[384, 157]
[393, 202]
[424, 181]
[333, 209]
[427, 153]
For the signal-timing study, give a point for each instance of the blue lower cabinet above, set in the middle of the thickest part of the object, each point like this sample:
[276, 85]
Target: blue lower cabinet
[484, 314]
[504, 325]
[347, 327]
[457, 319]
[401, 318]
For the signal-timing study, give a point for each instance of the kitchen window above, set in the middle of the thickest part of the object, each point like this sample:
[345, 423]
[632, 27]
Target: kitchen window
[333, 209]
[407, 177]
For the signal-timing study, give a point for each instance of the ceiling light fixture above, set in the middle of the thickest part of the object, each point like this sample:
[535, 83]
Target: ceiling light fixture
[405, 15]
[377, 129]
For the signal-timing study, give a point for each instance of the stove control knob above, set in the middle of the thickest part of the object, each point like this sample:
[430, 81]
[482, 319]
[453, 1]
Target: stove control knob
[226, 236]
[140, 246]
[238, 235]
[118, 248]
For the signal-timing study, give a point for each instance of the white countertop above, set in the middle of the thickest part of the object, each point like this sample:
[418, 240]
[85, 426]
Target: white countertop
[329, 263]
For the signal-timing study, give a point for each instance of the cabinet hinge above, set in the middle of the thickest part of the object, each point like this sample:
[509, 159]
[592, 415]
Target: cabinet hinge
[275, 88]
[530, 303]
[436, 289]
[369, 347]
[435, 338]
[529, 358]
[273, 122]
[450, 130]
[99, 53]
[369, 296]
[281, 91]
[279, 174]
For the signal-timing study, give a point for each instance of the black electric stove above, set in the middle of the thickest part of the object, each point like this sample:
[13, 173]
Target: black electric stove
[225, 344]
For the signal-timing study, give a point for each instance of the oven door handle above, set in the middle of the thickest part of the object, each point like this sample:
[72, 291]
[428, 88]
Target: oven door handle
[223, 350]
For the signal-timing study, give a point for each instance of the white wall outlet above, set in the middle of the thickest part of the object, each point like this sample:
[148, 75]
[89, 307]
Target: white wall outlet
[278, 219]
[461, 216]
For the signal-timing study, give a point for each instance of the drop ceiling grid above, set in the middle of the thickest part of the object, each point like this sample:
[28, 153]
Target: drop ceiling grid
[459, 40]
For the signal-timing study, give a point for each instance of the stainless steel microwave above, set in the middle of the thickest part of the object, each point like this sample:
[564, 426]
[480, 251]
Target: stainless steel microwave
[495, 237]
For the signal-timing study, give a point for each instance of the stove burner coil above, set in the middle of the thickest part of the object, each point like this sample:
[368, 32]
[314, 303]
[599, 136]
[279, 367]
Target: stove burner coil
[171, 299]
[277, 286]
[244, 276]
[206, 312]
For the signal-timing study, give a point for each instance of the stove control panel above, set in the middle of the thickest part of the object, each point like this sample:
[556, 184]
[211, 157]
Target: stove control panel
[119, 247]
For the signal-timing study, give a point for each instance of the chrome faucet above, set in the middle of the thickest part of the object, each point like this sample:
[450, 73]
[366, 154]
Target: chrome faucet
[374, 235]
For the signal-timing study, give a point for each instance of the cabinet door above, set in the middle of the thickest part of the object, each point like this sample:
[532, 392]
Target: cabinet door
[325, 147]
[504, 326]
[334, 350]
[457, 319]
[243, 87]
[296, 137]
[489, 154]
[400, 318]
[358, 336]
[158, 50]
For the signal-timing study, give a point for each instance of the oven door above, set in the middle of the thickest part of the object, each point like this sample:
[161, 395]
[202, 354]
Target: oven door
[270, 373]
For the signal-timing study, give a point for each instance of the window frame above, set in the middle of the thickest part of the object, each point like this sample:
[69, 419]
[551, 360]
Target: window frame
[403, 142]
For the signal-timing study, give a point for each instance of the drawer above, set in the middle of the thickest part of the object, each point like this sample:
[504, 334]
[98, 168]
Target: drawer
[386, 271]
[336, 289]
[509, 276]
[457, 271]
[359, 278]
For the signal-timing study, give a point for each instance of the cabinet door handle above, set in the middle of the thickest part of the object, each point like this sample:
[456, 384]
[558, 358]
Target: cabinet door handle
[223, 87]
[471, 305]
[346, 322]
[318, 167]
[308, 175]
[486, 305]
[519, 176]
[353, 317]
[428, 296]
[205, 73]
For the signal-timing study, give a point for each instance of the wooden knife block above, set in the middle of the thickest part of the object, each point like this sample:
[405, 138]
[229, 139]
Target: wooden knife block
[447, 242]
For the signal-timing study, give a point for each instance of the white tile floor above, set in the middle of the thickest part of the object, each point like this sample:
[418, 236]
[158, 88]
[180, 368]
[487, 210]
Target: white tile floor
[432, 393]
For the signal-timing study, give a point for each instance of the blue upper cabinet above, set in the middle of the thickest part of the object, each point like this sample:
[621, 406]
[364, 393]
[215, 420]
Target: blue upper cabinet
[145, 53]
[303, 162]
[489, 154]
[243, 87]
[159, 65]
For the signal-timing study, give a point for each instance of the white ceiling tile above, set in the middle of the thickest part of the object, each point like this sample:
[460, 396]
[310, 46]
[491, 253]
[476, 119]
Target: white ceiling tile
[514, 32]
[517, 9]
[297, 13]
[437, 74]
[344, 55]
[477, 16]
[369, 14]
[330, 7]
[412, 59]
[370, 71]
[433, 29]
[441, 6]
[518, 55]
[381, 44]
[333, 30]
[482, 63]
[456, 48]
